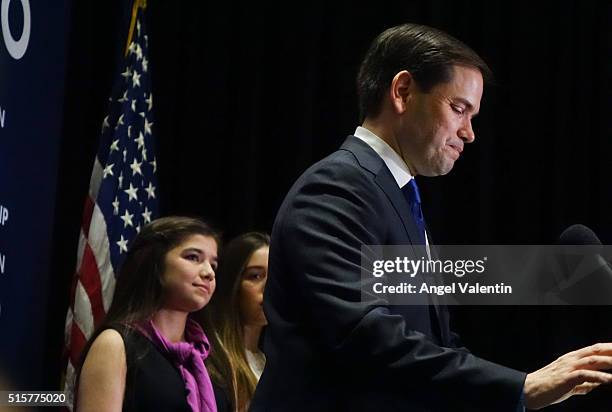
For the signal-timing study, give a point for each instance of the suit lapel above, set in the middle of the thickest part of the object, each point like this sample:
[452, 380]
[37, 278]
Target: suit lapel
[371, 161]
[385, 180]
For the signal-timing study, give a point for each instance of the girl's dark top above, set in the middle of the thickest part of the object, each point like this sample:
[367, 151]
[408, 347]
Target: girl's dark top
[152, 383]
[223, 402]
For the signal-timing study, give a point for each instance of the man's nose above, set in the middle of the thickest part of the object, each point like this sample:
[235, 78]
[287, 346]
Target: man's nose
[466, 133]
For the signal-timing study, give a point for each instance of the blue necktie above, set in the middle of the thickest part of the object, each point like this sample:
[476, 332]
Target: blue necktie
[411, 192]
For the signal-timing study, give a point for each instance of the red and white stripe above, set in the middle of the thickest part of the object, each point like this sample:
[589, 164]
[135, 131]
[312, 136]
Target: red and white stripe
[93, 283]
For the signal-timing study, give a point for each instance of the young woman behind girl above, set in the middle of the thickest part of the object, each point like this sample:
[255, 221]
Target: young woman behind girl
[238, 317]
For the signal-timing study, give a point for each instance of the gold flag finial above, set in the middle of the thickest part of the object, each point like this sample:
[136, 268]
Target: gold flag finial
[138, 4]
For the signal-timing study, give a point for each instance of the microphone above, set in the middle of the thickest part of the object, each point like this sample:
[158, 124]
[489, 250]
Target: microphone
[588, 278]
[578, 235]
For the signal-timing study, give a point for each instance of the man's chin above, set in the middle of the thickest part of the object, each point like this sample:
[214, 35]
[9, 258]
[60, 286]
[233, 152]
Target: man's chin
[439, 170]
[446, 170]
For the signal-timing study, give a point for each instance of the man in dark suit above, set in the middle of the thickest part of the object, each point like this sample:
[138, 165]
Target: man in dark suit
[330, 348]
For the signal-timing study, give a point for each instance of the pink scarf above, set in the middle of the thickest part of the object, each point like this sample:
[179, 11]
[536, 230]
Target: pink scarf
[188, 357]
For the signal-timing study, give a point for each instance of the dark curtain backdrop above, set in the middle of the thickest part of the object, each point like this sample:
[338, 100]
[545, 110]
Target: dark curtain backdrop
[247, 96]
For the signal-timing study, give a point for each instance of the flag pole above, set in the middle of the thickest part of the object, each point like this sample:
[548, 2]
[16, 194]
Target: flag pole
[135, 6]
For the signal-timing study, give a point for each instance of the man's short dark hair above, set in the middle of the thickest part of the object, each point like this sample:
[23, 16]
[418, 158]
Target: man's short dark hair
[427, 53]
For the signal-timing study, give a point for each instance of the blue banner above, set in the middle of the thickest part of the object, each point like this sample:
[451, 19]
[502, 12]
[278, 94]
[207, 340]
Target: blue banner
[33, 45]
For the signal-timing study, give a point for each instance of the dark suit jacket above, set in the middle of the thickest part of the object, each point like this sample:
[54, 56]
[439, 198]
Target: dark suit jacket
[327, 348]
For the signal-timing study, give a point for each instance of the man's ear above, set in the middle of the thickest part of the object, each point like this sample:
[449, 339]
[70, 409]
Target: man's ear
[402, 87]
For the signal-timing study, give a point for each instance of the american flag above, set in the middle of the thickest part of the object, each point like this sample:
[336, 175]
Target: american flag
[122, 198]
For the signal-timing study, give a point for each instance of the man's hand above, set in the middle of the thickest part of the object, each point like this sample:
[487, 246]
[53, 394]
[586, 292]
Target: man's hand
[575, 373]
